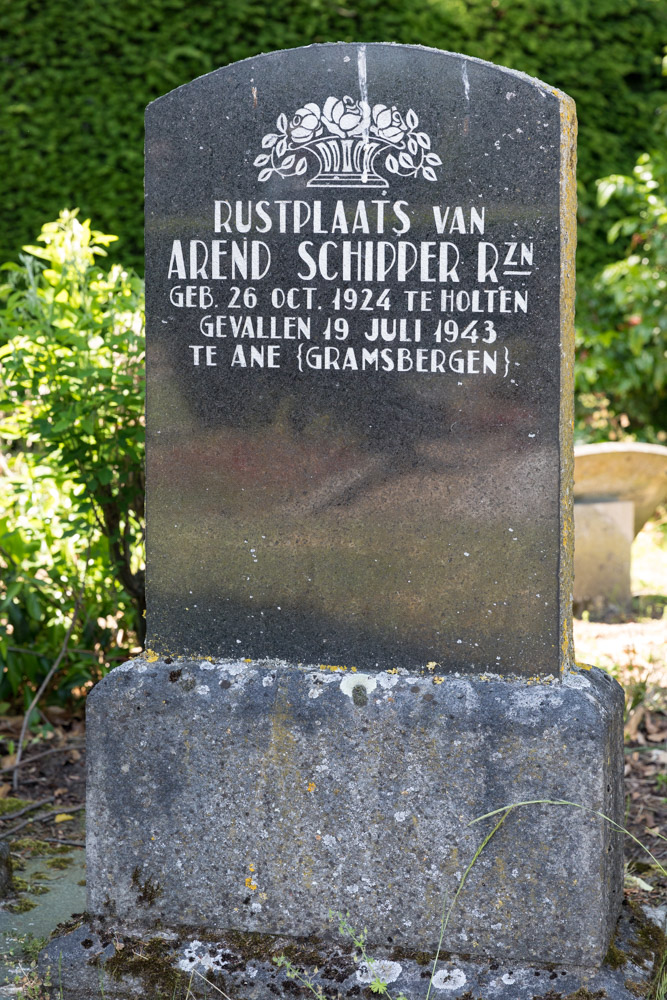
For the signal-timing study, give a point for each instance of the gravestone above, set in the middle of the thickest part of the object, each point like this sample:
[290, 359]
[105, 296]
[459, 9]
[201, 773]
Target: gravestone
[359, 265]
[617, 487]
[359, 301]
[603, 539]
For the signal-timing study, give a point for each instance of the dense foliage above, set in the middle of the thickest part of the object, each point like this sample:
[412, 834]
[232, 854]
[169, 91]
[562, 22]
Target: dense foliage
[621, 374]
[76, 78]
[71, 441]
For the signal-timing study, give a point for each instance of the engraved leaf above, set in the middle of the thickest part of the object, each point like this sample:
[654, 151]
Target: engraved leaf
[423, 140]
[282, 123]
[392, 164]
[433, 159]
[429, 174]
[406, 161]
[412, 145]
[269, 140]
[261, 160]
[281, 148]
[264, 175]
[288, 162]
[301, 166]
[411, 119]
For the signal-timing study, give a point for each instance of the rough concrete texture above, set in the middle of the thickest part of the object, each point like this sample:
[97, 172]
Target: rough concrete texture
[603, 534]
[257, 796]
[90, 960]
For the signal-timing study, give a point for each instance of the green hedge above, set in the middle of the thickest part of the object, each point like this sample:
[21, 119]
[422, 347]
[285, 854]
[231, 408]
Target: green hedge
[77, 76]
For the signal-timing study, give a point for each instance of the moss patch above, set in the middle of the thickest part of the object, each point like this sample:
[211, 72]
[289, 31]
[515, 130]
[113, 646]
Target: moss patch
[31, 846]
[60, 862]
[399, 954]
[11, 805]
[648, 947]
[637, 989]
[147, 891]
[38, 890]
[22, 905]
[615, 957]
[151, 962]
[266, 947]
[67, 926]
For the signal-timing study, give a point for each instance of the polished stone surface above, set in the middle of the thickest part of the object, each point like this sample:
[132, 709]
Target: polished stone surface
[255, 797]
[382, 518]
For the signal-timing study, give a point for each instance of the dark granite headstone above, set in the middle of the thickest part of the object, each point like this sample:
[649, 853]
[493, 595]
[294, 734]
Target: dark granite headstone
[359, 303]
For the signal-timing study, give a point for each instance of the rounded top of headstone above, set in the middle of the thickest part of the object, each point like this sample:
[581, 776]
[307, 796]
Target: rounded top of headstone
[326, 55]
[622, 471]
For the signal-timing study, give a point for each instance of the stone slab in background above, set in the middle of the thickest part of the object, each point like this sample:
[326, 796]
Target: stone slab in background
[254, 797]
[603, 534]
[628, 471]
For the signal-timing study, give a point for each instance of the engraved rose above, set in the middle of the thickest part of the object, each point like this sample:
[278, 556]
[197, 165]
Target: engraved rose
[346, 117]
[314, 135]
[388, 124]
[306, 123]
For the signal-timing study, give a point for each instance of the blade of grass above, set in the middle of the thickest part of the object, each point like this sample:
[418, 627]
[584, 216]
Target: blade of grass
[574, 805]
[209, 983]
[446, 914]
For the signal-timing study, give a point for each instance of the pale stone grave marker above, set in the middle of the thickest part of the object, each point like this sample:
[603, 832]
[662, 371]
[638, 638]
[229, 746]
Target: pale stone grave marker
[359, 305]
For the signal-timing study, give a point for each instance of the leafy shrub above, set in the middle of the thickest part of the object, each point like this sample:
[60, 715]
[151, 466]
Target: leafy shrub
[72, 352]
[621, 375]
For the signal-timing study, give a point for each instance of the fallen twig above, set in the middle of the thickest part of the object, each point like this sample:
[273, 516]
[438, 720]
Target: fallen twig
[21, 812]
[42, 753]
[44, 818]
[69, 843]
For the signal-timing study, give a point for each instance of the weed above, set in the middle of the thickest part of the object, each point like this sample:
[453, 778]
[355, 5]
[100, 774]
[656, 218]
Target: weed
[31, 986]
[658, 990]
[446, 913]
[292, 972]
[377, 985]
[573, 805]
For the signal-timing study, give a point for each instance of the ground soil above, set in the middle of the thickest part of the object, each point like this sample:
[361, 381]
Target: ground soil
[635, 652]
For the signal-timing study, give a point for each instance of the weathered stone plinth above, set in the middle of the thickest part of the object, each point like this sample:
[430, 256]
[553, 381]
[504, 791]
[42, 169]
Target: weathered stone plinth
[90, 962]
[257, 796]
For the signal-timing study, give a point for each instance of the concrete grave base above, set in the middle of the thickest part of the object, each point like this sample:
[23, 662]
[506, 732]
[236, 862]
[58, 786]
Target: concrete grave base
[258, 796]
[91, 962]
